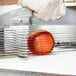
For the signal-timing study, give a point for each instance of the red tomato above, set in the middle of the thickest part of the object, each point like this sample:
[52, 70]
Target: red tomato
[40, 42]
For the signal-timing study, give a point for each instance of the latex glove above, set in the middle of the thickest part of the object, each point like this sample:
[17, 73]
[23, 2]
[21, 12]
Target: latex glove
[45, 9]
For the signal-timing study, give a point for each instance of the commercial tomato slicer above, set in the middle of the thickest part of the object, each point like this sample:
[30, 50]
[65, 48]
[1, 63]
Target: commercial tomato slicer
[15, 26]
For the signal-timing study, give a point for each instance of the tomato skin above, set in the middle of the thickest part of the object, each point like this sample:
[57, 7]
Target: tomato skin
[40, 42]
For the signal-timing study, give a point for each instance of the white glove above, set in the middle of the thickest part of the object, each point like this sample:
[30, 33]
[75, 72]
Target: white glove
[45, 9]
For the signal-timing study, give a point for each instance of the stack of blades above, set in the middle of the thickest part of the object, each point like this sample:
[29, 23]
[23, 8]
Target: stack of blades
[15, 40]
[1, 41]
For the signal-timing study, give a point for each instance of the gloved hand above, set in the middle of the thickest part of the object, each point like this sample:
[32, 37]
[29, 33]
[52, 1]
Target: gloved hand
[45, 9]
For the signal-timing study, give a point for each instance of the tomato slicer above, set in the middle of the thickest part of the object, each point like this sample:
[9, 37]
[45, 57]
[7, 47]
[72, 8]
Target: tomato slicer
[17, 24]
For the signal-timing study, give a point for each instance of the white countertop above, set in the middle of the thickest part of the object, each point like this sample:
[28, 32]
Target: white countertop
[57, 63]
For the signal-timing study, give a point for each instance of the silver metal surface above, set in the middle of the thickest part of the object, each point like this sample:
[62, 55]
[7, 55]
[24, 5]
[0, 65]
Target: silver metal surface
[20, 16]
